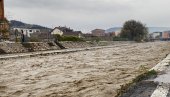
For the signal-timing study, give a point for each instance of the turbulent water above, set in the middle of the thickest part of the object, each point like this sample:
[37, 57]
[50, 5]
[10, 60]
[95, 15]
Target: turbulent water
[93, 73]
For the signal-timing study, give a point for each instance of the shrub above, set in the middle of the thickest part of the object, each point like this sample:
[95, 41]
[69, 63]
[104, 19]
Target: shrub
[67, 38]
[119, 39]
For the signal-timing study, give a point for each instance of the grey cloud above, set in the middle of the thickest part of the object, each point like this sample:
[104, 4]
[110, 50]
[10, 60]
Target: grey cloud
[89, 14]
[67, 5]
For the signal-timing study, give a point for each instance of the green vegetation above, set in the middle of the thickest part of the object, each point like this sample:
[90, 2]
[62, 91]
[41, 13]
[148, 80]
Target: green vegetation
[134, 31]
[117, 38]
[67, 38]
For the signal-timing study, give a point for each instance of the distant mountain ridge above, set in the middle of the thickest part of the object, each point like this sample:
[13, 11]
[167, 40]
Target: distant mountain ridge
[151, 29]
[19, 24]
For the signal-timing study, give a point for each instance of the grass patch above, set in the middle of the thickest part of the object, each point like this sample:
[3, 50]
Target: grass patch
[119, 39]
[68, 38]
[143, 76]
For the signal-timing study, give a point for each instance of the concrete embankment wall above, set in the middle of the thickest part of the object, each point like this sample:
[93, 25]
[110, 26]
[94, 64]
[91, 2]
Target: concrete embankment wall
[8, 48]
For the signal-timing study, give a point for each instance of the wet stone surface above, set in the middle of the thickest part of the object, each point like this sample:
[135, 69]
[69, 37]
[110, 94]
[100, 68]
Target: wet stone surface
[142, 89]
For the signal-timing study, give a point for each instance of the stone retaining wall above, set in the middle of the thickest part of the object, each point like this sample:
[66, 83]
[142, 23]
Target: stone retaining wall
[8, 48]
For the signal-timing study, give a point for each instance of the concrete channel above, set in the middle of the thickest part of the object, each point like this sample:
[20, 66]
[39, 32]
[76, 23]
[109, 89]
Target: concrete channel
[157, 87]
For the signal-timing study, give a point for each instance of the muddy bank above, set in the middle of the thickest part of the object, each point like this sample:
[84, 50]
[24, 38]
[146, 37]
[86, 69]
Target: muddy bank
[98, 73]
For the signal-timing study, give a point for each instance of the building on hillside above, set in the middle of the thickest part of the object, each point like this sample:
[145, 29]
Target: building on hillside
[99, 35]
[156, 35]
[98, 32]
[111, 34]
[64, 31]
[26, 31]
[41, 34]
[56, 31]
[74, 33]
[166, 35]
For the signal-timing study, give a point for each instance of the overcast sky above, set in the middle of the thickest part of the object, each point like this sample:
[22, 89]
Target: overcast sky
[87, 15]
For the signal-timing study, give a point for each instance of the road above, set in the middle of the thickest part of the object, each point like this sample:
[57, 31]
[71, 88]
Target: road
[91, 73]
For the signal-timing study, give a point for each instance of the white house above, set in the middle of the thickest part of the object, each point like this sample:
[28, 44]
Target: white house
[25, 31]
[156, 35]
[56, 31]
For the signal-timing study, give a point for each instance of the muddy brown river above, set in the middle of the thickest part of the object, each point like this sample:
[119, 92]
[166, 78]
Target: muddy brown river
[93, 73]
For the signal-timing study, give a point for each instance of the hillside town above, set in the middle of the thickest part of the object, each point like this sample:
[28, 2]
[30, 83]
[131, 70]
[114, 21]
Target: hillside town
[47, 33]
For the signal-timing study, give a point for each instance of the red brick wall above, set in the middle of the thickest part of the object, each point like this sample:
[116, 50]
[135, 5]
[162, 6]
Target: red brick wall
[98, 32]
[1, 9]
